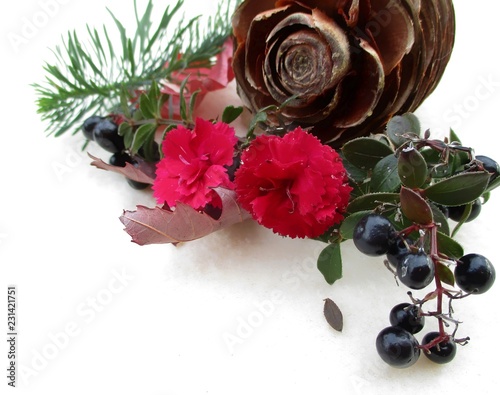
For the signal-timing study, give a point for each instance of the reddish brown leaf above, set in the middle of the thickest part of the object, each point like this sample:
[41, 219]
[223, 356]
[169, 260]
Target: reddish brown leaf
[144, 172]
[333, 315]
[183, 223]
[414, 207]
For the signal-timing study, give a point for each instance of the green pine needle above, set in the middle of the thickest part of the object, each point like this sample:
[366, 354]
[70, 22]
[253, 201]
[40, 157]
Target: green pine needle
[88, 77]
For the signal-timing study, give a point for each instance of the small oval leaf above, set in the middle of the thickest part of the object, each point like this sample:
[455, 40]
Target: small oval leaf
[400, 125]
[415, 207]
[231, 113]
[365, 152]
[385, 176]
[371, 201]
[458, 190]
[449, 247]
[440, 219]
[349, 223]
[143, 134]
[330, 263]
[412, 168]
[445, 274]
[333, 315]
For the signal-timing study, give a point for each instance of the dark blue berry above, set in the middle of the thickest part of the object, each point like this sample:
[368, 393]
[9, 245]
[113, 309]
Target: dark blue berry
[106, 135]
[398, 249]
[456, 212]
[490, 166]
[120, 159]
[416, 270]
[88, 126]
[442, 352]
[407, 316]
[397, 347]
[474, 273]
[373, 235]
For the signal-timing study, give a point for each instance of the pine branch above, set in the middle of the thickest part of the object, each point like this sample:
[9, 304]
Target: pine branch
[89, 76]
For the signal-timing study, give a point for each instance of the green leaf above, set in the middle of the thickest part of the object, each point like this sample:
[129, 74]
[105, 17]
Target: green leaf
[434, 161]
[494, 184]
[183, 107]
[330, 263]
[412, 168]
[350, 222]
[259, 117]
[142, 135]
[371, 201]
[385, 176]
[449, 247]
[440, 218]
[414, 207]
[458, 190]
[231, 113]
[445, 274]
[125, 130]
[147, 106]
[454, 137]
[463, 218]
[365, 152]
[400, 125]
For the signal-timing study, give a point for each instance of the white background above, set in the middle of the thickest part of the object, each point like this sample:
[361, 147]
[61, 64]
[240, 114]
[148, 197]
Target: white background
[99, 314]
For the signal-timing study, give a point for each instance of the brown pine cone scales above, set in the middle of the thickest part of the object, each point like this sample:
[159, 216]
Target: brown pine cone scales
[348, 65]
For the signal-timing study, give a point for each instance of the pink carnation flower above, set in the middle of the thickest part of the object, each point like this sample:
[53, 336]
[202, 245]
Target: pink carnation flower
[194, 162]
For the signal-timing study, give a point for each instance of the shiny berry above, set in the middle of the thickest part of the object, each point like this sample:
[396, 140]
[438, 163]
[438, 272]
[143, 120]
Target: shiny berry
[490, 166]
[120, 159]
[398, 249]
[88, 126]
[456, 212]
[407, 316]
[474, 274]
[416, 270]
[373, 235]
[442, 352]
[106, 135]
[397, 347]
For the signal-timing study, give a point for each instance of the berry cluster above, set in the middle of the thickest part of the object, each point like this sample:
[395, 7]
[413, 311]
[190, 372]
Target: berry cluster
[104, 131]
[413, 256]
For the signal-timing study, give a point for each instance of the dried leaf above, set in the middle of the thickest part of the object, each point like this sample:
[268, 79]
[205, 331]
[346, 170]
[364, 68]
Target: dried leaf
[183, 223]
[144, 172]
[333, 315]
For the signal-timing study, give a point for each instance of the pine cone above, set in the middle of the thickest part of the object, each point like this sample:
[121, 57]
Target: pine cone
[350, 64]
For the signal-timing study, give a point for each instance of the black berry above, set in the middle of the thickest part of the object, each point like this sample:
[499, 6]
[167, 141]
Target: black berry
[398, 249]
[442, 352]
[407, 316]
[120, 159]
[416, 270]
[456, 212]
[373, 235]
[474, 273]
[88, 126]
[397, 347]
[490, 166]
[106, 135]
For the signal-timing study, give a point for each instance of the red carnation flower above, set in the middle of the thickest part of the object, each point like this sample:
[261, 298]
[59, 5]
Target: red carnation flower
[293, 184]
[194, 162]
